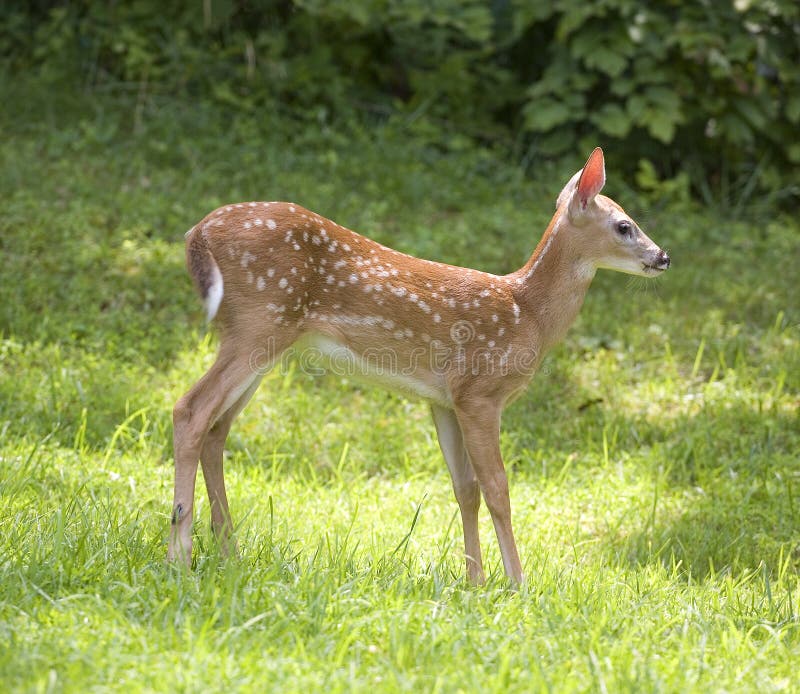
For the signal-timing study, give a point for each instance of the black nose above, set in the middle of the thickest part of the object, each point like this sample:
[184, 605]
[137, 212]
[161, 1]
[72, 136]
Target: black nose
[662, 261]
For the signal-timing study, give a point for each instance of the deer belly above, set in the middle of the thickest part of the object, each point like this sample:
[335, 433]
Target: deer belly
[385, 367]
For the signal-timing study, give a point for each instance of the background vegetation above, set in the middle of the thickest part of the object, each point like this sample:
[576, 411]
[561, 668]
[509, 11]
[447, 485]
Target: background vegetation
[706, 90]
[653, 462]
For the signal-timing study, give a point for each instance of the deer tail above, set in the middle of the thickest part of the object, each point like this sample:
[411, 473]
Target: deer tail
[204, 271]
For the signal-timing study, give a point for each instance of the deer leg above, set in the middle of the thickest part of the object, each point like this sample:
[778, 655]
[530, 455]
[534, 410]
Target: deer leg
[465, 486]
[211, 459]
[480, 424]
[194, 415]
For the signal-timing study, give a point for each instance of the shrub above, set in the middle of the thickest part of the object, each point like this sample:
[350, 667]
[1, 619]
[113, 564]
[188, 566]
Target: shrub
[706, 88]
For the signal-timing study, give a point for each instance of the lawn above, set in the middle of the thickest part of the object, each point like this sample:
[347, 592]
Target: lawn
[653, 463]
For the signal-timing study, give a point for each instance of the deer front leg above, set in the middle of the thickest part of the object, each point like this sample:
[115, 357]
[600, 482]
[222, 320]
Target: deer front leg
[213, 474]
[465, 486]
[211, 458]
[480, 424]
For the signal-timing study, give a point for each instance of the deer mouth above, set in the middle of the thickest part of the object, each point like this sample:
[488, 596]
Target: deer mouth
[662, 262]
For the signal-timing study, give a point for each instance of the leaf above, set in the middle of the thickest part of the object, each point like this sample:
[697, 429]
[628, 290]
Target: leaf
[610, 62]
[557, 142]
[612, 120]
[636, 107]
[646, 175]
[735, 129]
[661, 126]
[574, 18]
[750, 111]
[793, 108]
[664, 97]
[623, 86]
[542, 115]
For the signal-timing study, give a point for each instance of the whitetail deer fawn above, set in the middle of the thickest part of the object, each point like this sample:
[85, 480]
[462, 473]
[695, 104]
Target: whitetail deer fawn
[273, 275]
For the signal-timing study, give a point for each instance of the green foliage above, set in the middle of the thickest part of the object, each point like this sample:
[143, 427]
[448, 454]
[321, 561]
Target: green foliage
[689, 84]
[708, 88]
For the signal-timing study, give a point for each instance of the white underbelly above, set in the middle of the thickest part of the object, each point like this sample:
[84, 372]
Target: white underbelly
[319, 352]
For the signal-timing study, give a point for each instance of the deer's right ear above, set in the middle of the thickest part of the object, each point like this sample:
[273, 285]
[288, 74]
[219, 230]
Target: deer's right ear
[567, 190]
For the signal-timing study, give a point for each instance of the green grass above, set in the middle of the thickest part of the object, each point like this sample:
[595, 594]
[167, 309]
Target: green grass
[653, 462]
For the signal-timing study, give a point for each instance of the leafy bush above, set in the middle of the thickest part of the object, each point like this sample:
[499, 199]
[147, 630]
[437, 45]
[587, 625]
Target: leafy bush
[705, 88]
[687, 84]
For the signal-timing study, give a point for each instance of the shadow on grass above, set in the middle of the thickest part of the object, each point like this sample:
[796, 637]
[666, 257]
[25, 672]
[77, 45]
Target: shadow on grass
[726, 494]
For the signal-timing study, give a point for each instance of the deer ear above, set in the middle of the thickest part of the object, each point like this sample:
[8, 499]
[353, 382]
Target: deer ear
[585, 184]
[592, 179]
[568, 190]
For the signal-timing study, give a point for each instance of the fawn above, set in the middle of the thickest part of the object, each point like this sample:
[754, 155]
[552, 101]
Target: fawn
[273, 275]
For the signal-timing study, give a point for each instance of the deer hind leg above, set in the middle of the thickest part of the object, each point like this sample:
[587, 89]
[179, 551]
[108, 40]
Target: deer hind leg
[465, 486]
[212, 400]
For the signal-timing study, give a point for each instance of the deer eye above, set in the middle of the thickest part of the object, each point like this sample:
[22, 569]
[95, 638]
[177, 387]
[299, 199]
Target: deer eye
[624, 227]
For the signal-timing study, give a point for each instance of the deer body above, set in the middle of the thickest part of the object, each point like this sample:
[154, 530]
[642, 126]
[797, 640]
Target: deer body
[275, 276]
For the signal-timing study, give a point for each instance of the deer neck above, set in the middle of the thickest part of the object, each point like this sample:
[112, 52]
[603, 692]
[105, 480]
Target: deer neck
[551, 286]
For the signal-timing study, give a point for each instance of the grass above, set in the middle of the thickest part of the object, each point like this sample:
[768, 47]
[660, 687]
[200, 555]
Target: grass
[653, 462]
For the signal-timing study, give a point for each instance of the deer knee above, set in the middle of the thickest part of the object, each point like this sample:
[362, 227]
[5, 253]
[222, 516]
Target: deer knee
[186, 425]
[181, 413]
[468, 494]
[496, 495]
